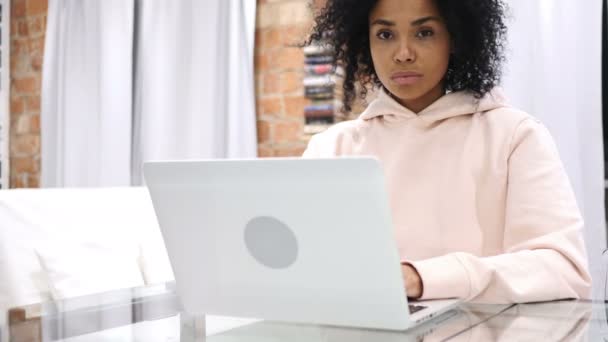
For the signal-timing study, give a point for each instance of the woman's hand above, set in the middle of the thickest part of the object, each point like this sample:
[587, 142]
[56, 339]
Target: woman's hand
[412, 281]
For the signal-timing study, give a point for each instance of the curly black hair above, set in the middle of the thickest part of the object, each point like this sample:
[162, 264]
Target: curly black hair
[477, 30]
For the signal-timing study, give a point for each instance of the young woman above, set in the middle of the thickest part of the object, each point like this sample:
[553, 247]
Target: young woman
[482, 207]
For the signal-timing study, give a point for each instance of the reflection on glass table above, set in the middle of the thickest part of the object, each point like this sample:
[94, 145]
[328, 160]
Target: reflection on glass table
[154, 313]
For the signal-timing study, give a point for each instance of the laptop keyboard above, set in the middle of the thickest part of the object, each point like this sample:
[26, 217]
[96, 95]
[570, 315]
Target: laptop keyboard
[416, 308]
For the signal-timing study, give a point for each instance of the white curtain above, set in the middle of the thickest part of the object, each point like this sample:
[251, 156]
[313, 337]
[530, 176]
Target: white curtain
[194, 84]
[127, 81]
[86, 93]
[554, 72]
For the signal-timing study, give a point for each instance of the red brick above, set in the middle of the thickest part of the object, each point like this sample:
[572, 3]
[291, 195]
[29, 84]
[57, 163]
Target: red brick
[265, 152]
[25, 165]
[35, 123]
[267, 38]
[25, 145]
[264, 131]
[258, 80]
[14, 31]
[32, 103]
[270, 84]
[36, 44]
[33, 180]
[294, 106]
[26, 85]
[22, 28]
[291, 81]
[269, 106]
[37, 61]
[291, 58]
[36, 7]
[13, 65]
[36, 26]
[20, 66]
[261, 62]
[25, 180]
[294, 35]
[257, 41]
[18, 9]
[18, 181]
[272, 38]
[273, 57]
[292, 151]
[17, 105]
[289, 131]
[18, 47]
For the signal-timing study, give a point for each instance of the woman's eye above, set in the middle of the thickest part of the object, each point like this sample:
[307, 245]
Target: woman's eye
[425, 33]
[384, 35]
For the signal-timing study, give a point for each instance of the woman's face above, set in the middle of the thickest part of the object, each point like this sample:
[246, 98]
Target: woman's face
[410, 47]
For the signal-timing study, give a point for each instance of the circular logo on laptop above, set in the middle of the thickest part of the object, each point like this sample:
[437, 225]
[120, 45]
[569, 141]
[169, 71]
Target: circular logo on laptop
[271, 242]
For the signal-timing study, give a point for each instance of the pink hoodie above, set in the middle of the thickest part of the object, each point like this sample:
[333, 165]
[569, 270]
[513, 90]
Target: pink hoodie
[482, 206]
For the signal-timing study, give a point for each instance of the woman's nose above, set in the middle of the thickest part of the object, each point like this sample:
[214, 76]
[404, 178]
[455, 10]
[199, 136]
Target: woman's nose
[404, 54]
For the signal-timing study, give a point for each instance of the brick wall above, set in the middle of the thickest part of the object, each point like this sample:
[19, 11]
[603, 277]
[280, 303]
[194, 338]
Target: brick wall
[279, 70]
[28, 25]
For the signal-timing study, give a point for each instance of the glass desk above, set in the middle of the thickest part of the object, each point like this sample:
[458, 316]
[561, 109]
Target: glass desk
[154, 313]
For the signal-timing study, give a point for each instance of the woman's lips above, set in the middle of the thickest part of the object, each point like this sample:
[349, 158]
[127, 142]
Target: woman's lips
[406, 77]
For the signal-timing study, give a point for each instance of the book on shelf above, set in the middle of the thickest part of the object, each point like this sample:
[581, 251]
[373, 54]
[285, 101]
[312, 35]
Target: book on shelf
[323, 89]
[315, 60]
[324, 120]
[319, 114]
[321, 105]
[319, 69]
[317, 50]
[321, 77]
[320, 96]
[328, 80]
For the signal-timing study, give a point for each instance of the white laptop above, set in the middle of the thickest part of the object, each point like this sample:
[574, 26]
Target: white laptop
[286, 239]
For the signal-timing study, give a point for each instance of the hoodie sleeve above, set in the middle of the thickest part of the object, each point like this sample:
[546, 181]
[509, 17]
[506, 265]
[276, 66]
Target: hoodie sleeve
[544, 254]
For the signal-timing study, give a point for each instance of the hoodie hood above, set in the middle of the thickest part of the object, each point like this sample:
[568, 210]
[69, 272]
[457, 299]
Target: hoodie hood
[450, 105]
